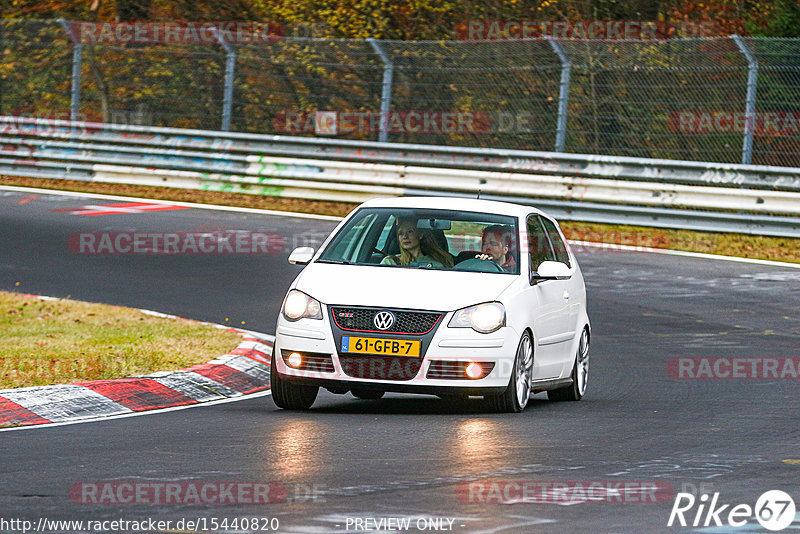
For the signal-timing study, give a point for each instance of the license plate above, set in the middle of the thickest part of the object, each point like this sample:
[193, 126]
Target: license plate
[384, 347]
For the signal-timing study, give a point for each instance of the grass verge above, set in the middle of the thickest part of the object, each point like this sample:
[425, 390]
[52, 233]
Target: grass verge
[60, 341]
[742, 245]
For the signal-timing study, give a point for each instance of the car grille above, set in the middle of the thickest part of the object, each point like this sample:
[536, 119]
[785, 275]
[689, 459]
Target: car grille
[455, 370]
[380, 367]
[318, 363]
[407, 322]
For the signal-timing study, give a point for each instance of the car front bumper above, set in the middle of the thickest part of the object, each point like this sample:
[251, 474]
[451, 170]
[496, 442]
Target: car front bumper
[462, 345]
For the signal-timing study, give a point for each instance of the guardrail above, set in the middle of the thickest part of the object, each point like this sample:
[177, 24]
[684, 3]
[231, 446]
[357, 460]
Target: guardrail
[663, 193]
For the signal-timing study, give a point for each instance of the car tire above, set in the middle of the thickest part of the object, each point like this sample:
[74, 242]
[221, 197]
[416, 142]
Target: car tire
[367, 394]
[580, 374]
[515, 397]
[290, 396]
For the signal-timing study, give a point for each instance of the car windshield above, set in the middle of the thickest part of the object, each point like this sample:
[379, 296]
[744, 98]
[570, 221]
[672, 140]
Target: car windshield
[427, 239]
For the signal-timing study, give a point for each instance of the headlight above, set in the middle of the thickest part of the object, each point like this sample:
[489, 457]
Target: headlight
[484, 318]
[298, 305]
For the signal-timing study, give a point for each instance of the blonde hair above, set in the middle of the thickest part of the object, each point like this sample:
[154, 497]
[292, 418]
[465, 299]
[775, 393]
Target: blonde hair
[427, 246]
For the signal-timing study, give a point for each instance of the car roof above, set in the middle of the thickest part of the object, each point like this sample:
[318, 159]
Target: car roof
[450, 203]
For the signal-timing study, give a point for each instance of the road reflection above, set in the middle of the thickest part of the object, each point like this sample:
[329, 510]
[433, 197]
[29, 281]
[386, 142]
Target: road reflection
[296, 447]
[477, 446]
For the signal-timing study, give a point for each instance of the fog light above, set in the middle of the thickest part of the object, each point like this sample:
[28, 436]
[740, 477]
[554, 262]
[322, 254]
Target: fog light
[474, 370]
[295, 360]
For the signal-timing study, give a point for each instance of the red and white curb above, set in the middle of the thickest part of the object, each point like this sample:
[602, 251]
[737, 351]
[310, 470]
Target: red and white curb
[243, 371]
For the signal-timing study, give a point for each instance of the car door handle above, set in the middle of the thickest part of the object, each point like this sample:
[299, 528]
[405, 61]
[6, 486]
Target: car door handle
[566, 295]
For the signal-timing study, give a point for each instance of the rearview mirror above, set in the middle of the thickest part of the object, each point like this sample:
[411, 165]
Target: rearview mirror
[301, 255]
[551, 270]
[433, 224]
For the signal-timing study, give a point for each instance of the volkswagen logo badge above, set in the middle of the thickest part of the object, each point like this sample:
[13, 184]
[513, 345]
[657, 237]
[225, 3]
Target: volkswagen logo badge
[383, 320]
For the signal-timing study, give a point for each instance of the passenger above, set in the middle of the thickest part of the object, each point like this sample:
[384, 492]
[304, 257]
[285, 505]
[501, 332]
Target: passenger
[497, 241]
[417, 246]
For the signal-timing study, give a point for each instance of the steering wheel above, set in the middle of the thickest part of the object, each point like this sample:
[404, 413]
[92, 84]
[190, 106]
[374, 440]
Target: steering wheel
[478, 265]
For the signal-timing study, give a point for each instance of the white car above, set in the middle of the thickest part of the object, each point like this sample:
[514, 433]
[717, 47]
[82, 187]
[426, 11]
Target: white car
[450, 297]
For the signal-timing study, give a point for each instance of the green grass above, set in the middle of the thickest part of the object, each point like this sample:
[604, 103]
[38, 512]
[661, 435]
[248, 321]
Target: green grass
[60, 341]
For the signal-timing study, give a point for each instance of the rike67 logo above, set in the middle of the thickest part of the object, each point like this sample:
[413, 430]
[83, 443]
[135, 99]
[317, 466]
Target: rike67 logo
[774, 510]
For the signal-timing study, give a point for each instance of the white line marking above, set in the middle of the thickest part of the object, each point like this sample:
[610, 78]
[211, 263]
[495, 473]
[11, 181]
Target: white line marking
[264, 337]
[671, 252]
[267, 337]
[136, 414]
[332, 218]
[254, 345]
[169, 202]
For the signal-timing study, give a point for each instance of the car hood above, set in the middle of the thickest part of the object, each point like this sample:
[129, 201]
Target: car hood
[395, 287]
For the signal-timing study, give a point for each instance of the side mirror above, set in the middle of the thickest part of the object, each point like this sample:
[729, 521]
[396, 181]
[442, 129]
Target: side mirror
[301, 256]
[551, 270]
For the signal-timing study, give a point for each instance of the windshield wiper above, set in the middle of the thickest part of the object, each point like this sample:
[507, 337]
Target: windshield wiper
[337, 262]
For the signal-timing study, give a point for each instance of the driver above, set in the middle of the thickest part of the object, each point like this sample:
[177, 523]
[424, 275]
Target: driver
[497, 241]
[417, 246]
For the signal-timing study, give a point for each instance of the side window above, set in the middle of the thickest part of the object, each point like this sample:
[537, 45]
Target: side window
[538, 244]
[558, 244]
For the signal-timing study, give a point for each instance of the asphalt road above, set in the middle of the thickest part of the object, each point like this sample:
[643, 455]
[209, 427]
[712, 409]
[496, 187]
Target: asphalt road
[409, 456]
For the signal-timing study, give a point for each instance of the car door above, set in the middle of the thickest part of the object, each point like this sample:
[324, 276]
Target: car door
[552, 328]
[574, 290]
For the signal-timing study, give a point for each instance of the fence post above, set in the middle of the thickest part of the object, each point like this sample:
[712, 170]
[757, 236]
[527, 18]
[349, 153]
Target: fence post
[563, 94]
[77, 56]
[2, 29]
[230, 66]
[386, 93]
[750, 103]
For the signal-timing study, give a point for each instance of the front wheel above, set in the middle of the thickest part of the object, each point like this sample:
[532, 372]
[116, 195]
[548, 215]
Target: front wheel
[516, 395]
[580, 374]
[290, 396]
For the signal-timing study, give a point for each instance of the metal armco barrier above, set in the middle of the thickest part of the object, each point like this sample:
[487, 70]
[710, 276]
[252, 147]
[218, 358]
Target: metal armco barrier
[662, 193]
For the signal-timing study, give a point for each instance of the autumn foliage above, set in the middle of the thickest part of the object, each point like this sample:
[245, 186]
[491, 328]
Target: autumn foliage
[418, 19]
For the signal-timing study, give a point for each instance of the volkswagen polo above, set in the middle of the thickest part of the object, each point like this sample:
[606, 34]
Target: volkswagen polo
[441, 296]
